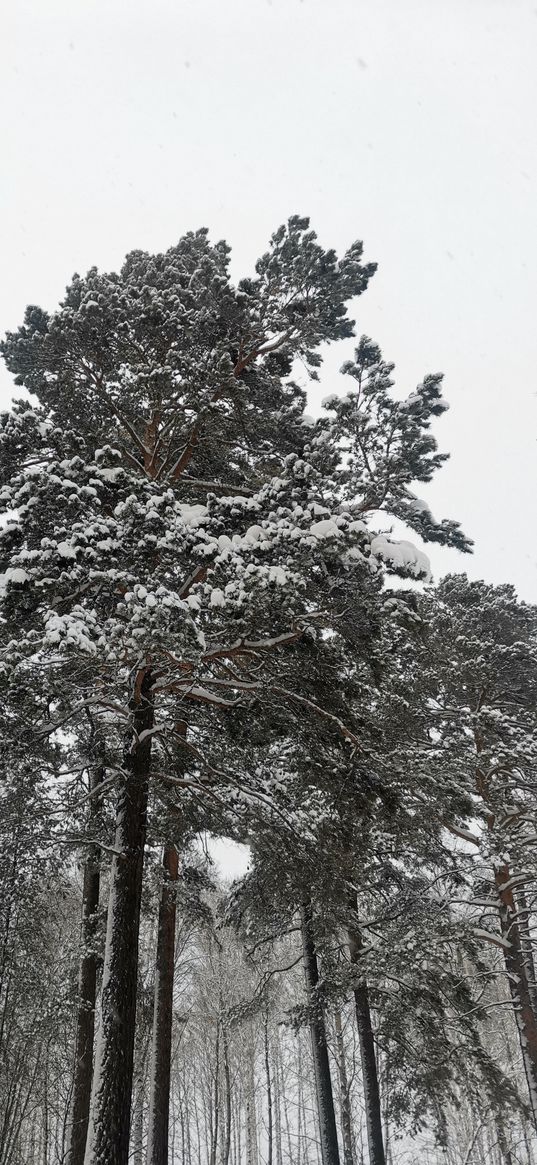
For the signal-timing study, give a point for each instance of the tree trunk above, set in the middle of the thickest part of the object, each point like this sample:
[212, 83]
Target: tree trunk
[159, 1095]
[519, 985]
[505, 1152]
[216, 1104]
[108, 1140]
[346, 1120]
[268, 1088]
[277, 1107]
[87, 986]
[284, 1093]
[367, 1053]
[226, 1148]
[252, 1153]
[527, 945]
[319, 1046]
[138, 1127]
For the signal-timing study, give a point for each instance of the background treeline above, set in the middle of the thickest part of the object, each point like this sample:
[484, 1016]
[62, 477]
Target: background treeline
[209, 627]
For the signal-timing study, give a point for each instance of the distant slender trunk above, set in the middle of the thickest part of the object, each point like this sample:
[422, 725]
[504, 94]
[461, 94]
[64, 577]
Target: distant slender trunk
[284, 1094]
[226, 1149]
[108, 1141]
[216, 1109]
[45, 1116]
[367, 1052]
[319, 1045]
[269, 1090]
[87, 985]
[252, 1155]
[475, 1149]
[519, 983]
[527, 1146]
[346, 1119]
[505, 1151]
[237, 1122]
[161, 1054]
[299, 1105]
[277, 1107]
[138, 1128]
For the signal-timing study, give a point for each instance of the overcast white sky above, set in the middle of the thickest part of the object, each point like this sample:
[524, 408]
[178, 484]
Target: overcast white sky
[408, 123]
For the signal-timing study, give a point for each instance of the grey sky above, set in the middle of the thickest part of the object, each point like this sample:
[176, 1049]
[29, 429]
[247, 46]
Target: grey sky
[408, 123]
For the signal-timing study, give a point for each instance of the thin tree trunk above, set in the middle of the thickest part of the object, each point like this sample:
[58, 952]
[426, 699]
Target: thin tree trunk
[277, 1106]
[284, 1096]
[346, 1119]
[252, 1156]
[319, 1045]
[45, 1118]
[367, 1052]
[198, 1132]
[269, 1090]
[527, 1146]
[300, 1114]
[108, 1140]
[87, 985]
[505, 1152]
[138, 1127]
[159, 1095]
[237, 1106]
[216, 1109]
[227, 1097]
[519, 986]
[188, 1132]
[182, 1125]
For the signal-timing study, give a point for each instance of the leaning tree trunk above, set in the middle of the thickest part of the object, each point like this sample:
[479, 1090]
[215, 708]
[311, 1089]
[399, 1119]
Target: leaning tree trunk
[87, 986]
[108, 1140]
[161, 1055]
[319, 1045]
[521, 988]
[367, 1052]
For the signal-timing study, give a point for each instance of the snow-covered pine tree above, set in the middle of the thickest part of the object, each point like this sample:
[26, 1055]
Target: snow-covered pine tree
[385, 446]
[150, 538]
[479, 665]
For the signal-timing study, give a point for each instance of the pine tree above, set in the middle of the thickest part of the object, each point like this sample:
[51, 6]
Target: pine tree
[483, 683]
[164, 412]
